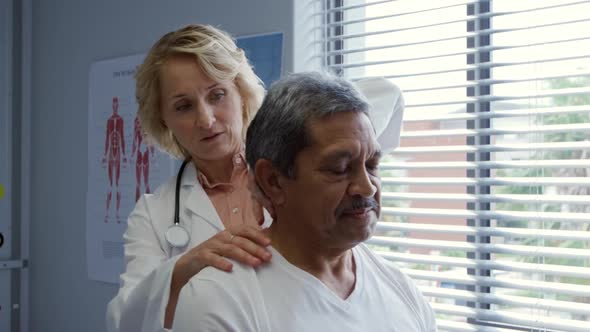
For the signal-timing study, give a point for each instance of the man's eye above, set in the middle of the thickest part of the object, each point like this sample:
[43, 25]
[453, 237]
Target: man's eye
[372, 167]
[338, 171]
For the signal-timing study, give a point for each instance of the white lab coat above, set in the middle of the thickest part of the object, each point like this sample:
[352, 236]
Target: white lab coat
[141, 302]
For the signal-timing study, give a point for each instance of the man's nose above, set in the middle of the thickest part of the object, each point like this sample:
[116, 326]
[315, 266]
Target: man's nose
[362, 185]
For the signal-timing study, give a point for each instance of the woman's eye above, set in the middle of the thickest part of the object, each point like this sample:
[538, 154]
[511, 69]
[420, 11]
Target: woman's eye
[183, 107]
[217, 95]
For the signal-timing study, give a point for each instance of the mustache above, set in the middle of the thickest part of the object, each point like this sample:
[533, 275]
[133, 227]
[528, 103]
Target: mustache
[358, 203]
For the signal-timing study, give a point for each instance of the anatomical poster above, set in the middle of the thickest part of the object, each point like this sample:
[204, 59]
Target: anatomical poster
[121, 165]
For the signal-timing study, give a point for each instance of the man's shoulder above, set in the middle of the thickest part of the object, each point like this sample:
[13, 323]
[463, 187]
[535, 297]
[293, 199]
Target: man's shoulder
[388, 271]
[217, 300]
[240, 275]
[375, 260]
[235, 288]
[394, 278]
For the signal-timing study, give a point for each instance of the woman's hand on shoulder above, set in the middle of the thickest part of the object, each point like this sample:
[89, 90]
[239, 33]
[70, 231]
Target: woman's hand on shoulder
[244, 243]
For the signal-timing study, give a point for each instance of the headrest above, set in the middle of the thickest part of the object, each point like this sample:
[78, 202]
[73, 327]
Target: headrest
[387, 109]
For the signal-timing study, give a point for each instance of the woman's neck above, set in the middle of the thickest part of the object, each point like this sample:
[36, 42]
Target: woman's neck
[216, 171]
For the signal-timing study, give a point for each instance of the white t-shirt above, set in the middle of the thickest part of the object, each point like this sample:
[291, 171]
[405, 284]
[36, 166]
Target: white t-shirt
[282, 297]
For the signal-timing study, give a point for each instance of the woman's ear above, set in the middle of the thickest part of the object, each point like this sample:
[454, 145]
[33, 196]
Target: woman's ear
[269, 180]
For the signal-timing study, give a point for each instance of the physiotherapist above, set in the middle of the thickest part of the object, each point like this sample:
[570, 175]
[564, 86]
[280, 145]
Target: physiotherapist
[197, 94]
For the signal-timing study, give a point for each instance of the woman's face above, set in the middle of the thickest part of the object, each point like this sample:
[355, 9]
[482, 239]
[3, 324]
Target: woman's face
[204, 115]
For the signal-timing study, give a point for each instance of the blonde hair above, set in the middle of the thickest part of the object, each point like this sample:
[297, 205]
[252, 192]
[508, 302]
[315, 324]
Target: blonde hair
[218, 56]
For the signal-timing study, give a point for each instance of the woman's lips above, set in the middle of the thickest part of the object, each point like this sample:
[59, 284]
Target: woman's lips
[210, 137]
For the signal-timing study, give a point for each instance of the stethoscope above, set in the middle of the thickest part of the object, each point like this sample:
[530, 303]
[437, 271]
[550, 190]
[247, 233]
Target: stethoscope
[177, 236]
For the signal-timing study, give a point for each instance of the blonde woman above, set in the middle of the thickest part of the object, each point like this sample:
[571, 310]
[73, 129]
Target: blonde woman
[197, 94]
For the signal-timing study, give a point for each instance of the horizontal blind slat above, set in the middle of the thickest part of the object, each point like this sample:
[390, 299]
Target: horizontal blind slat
[520, 301]
[534, 321]
[551, 146]
[503, 265]
[492, 198]
[492, 98]
[571, 163]
[380, 32]
[480, 32]
[495, 181]
[479, 15]
[451, 326]
[489, 215]
[344, 8]
[531, 112]
[428, 9]
[475, 49]
[499, 281]
[485, 231]
[558, 252]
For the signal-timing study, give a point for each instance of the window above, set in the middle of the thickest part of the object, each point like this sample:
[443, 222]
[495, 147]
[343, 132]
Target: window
[486, 203]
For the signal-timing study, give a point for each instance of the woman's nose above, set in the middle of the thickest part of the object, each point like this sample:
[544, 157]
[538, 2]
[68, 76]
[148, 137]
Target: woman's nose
[205, 117]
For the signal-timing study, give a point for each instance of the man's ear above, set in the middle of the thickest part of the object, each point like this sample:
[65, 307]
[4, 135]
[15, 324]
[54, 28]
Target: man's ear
[270, 181]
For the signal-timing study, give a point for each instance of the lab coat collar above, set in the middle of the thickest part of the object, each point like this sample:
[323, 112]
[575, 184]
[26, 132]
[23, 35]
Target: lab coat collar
[197, 200]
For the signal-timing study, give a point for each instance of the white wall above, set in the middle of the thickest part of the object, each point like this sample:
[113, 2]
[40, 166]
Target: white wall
[68, 35]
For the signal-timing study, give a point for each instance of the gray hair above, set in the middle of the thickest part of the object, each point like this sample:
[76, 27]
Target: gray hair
[278, 132]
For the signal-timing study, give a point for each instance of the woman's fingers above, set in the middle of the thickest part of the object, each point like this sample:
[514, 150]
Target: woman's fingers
[217, 261]
[244, 244]
[251, 233]
[235, 252]
[247, 246]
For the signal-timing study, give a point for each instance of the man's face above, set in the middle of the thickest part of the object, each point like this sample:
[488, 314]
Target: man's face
[335, 194]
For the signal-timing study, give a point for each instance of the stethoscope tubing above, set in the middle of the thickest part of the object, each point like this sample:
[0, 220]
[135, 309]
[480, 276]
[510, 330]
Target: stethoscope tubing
[177, 193]
[177, 236]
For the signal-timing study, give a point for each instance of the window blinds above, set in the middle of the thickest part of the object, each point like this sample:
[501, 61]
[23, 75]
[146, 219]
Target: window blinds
[486, 203]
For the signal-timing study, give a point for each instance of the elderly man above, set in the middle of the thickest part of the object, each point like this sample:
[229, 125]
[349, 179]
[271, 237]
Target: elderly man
[314, 154]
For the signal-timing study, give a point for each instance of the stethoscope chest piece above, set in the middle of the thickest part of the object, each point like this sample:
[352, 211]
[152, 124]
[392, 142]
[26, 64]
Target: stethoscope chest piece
[177, 236]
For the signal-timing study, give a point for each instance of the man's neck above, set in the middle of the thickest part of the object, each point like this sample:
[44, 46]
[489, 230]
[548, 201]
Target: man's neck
[335, 268]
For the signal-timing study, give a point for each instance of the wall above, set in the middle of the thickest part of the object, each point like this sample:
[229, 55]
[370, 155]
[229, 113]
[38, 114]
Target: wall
[68, 35]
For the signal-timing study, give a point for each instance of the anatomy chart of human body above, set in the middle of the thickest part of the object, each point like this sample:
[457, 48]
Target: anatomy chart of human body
[114, 147]
[143, 154]
[121, 164]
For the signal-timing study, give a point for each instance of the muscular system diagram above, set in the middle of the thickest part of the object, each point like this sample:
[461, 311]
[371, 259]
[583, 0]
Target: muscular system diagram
[142, 160]
[114, 155]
